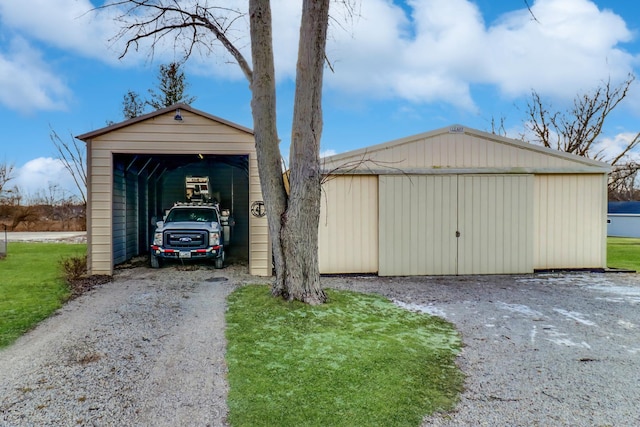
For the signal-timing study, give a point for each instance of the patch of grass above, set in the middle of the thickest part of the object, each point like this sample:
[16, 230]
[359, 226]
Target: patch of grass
[357, 360]
[623, 252]
[32, 285]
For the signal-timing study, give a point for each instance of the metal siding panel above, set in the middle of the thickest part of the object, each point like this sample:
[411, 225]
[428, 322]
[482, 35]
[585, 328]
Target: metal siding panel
[495, 224]
[569, 221]
[402, 259]
[386, 233]
[99, 217]
[369, 230]
[119, 218]
[260, 253]
[413, 224]
[131, 215]
[539, 218]
[348, 225]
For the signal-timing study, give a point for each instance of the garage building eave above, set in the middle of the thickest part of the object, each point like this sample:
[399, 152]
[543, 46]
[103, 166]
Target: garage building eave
[462, 171]
[98, 132]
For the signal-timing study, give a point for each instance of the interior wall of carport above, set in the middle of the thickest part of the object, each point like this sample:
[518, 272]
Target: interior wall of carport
[134, 197]
[139, 197]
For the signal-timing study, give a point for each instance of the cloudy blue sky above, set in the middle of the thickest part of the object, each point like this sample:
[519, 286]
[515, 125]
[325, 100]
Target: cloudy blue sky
[400, 68]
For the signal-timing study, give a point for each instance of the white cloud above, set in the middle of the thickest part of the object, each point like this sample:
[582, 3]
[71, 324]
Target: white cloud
[422, 51]
[444, 47]
[611, 147]
[65, 24]
[570, 47]
[27, 82]
[35, 177]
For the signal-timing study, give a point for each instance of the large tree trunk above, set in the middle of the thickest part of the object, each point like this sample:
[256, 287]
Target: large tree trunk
[293, 222]
[299, 232]
[263, 107]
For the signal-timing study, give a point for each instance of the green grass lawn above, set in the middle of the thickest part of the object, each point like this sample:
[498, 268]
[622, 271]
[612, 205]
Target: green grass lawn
[623, 252]
[32, 285]
[357, 360]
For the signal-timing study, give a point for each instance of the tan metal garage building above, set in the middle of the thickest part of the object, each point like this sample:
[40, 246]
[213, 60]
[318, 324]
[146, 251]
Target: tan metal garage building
[137, 169]
[461, 201]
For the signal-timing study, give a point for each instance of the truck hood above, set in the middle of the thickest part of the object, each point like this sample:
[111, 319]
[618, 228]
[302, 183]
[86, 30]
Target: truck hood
[189, 225]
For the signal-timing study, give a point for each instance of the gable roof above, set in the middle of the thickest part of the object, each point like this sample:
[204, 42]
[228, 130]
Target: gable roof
[183, 107]
[458, 149]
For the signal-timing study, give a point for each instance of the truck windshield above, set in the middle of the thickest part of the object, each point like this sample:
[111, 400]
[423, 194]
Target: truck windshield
[192, 214]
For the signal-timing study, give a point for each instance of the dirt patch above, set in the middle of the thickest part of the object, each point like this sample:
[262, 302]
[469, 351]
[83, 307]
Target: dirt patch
[85, 284]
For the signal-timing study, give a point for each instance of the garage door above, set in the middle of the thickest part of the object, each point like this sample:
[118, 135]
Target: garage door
[495, 223]
[455, 224]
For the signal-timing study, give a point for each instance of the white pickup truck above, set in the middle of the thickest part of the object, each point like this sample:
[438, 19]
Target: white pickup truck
[190, 231]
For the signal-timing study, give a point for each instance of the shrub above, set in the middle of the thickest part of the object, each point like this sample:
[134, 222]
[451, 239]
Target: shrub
[74, 267]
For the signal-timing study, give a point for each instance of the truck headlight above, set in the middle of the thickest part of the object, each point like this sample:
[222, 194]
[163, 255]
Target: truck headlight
[214, 239]
[157, 238]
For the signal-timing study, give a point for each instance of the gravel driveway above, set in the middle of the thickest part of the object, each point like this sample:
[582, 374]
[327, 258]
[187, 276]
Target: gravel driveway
[148, 349]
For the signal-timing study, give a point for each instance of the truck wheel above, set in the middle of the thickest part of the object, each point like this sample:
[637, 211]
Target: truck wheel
[155, 262]
[219, 262]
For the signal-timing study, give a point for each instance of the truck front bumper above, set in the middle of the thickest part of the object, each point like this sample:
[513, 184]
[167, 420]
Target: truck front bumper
[207, 253]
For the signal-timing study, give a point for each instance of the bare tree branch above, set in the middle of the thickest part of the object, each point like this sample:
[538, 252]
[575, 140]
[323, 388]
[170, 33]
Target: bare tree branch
[155, 20]
[6, 175]
[578, 130]
[531, 11]
[74, 160]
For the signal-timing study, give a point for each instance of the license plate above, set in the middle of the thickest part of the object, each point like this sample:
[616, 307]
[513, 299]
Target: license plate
[185, 254]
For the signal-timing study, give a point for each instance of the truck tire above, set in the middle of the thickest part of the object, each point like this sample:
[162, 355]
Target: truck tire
[155, 262]
[219, 262]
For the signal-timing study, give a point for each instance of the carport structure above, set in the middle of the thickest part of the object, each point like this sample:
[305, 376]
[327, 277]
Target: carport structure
[136, 170]
[461, 201]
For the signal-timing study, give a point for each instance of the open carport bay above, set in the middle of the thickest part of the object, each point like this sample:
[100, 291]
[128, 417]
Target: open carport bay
[146, 185]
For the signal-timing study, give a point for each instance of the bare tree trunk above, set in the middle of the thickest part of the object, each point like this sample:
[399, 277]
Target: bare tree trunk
[263, 107]
[300, 226]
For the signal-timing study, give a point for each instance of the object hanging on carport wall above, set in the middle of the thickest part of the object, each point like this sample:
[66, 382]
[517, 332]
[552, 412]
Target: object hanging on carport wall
[258, 210]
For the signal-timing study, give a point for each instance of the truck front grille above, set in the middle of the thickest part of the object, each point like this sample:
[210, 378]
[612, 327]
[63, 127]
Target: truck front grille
[176, 239]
